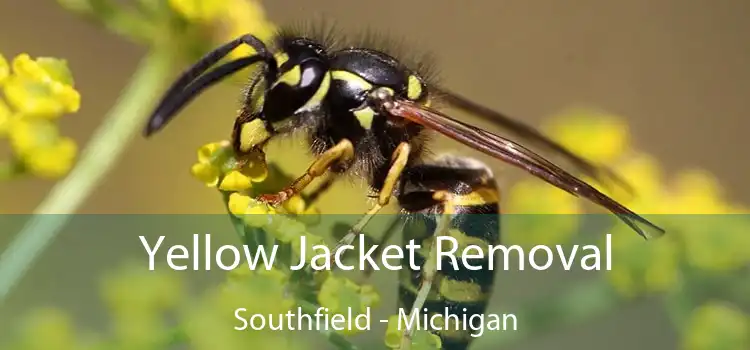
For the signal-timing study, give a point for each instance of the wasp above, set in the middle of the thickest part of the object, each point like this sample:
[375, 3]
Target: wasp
[368, 114]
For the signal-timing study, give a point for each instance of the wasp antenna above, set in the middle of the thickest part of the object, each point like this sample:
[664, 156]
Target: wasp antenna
[186, 87]
[169, 107]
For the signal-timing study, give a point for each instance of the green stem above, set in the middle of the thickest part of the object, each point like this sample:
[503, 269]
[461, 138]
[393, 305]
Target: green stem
[113, 135]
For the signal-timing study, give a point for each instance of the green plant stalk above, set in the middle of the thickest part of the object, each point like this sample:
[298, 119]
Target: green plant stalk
[96, 161]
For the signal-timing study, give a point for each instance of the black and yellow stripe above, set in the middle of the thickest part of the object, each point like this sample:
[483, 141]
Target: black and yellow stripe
[473, 202]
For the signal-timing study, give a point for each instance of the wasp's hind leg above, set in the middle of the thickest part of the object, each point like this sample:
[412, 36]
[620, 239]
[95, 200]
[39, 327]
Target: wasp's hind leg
[452, 199]
[342, 152]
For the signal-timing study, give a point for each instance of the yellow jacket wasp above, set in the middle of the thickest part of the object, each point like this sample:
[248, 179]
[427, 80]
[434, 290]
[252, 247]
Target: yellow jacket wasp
[367, 113]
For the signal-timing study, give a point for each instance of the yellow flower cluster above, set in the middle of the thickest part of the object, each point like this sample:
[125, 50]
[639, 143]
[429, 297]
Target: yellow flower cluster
[137, 300]
[690, 205]
[233, 17]
[217, 167]
[36, 93]
[208, 325]
[715, 325]
[47, 329]
[340, 294]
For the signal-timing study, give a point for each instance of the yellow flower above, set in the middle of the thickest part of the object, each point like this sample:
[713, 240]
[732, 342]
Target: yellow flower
[421, 339]
[295, 205]
[235, 181]
[133, 289]
[252, 212]
[210, 322]
[286, 229]
[715, 242]
[340, 294]
[205, 173]
[42, 87]
[6, 116]
[696, 192]
[216, 161]
[536, 197]
[643, 173]
[717, 326]
[41, 148]
[597, 136]
[244, 17]
[199, 10]
[54, 161]
[49, 329]
[263, 291]
[4, 69]
[540, 214]
[209, 151]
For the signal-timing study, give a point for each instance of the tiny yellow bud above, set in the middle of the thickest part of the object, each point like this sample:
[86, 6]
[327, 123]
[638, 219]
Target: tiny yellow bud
[27, 135]
[715, 325]
[238, 203]
[207, 152]
[198, 10]
[52, 162]
[258, 215]
[235, 181]
[339, 294]
[5, 118]
[421, 339]
[24, 66]
[40, 99]
[4, 69]
[393, 333]
[580, 129]
[286, 229]
[42, 87]
[247, 17]
[295, 205]
[239, 273]
[49, 328]
[206, 173]
[369, 297]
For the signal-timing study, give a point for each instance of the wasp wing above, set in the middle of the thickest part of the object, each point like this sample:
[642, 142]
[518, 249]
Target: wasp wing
[531, 134]
[517, 155]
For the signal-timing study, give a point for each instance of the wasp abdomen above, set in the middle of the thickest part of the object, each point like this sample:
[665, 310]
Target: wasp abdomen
[459, 294]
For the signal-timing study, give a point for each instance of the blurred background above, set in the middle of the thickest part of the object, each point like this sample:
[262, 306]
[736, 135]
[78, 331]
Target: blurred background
[676, 71]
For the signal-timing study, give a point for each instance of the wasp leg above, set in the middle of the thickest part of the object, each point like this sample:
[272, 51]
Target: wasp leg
[398, 164]
[389, 232]
[429, 269]
[455, 197]
[342, 152]
[315, 194]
